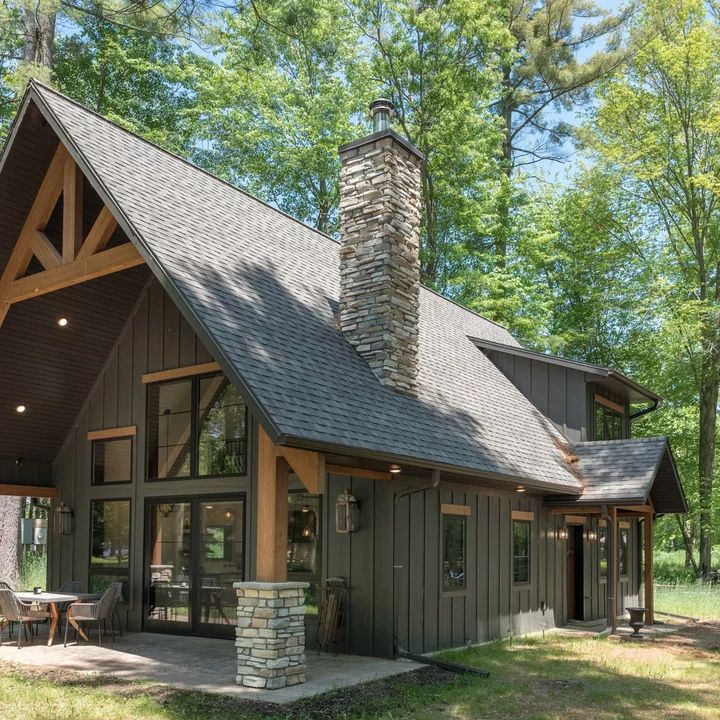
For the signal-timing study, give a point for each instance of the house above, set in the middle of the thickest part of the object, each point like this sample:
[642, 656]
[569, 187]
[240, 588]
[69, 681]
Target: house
[215, 393]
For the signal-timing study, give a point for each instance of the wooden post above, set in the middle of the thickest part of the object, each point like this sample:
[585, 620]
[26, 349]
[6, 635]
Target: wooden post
[612, 570]
[272, 509]
[649, 589]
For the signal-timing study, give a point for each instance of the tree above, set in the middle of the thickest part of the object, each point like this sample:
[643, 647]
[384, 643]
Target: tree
[544, 72]
[438, 61]
[290, 88]
[656, 128]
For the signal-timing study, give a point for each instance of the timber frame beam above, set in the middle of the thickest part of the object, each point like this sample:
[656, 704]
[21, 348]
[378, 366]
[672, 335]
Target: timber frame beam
[80, 260]
[274, 466]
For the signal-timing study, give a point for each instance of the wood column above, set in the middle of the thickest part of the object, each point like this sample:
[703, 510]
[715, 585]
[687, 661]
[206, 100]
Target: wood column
[612, 576]
[649, 557]
[272, 511]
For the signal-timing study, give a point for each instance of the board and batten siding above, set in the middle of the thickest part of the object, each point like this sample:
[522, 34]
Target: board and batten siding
[156, 337]
[403, 540]
[559, 393]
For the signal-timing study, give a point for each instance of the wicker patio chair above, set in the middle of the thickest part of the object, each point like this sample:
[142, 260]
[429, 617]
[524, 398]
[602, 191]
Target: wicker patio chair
[15, 610]
[70, 587]
[99, 612]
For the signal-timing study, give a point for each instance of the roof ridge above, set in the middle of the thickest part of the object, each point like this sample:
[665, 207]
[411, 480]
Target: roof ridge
[620, 441]
[40, 86]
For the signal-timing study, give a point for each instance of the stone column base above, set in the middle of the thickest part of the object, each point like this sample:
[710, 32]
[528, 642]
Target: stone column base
[270, 634]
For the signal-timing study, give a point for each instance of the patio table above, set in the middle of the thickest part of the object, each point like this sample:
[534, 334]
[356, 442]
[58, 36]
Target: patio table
[51, 600]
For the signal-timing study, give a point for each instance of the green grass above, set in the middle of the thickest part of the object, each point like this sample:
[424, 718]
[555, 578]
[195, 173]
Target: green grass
[697, 600]
[669, 567]
[569, 677]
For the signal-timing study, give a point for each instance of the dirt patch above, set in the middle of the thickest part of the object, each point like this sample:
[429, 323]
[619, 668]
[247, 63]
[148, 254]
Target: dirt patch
[701, 638]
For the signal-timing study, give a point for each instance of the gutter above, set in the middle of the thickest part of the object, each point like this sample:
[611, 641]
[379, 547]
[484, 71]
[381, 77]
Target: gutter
[645, 411]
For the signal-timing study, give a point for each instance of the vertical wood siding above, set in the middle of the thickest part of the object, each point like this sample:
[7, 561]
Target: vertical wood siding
[155, 337]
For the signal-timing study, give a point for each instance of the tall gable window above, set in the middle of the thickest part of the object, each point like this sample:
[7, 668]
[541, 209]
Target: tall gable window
[608, 419]
[109, 544]
[196, 427]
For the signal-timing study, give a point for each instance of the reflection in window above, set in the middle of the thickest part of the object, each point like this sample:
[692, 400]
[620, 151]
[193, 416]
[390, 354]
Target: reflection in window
[623, 551]
[303, 553]
[454, 533]
[221, 428]
[110, 544]
[603, 549]
[112, 461]
[608, 423]
[169, 429]
[521, 551]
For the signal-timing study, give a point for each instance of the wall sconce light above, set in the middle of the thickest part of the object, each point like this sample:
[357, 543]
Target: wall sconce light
[590, 535]
[346, 512]
[562, 533]
[395, 469]
[64, 520]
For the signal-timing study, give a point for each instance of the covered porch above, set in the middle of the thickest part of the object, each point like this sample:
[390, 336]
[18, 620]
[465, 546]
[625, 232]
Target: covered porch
[627, 482]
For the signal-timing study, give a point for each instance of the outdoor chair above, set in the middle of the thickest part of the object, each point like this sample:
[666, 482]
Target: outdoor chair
[14, 610]
[70, 587]
[99, 612]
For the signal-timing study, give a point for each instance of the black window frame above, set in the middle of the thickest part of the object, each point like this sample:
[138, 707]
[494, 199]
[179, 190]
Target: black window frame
[605, 407]
[603, 551]
[623, 557]
[123, 572]
[93, 446]
[514, 556]
[453, 589]
[193, 443]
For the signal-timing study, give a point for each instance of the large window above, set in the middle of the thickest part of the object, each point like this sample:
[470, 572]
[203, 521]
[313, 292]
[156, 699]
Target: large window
[608, 419]
[603, 550]
[304, 545]
[110, 544]
[623, 551]
[112, 461]
[454, 534]
[197, 427]
[521, 551]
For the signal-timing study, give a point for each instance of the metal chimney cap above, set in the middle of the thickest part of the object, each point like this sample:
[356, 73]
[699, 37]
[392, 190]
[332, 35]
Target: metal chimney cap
[381, 110]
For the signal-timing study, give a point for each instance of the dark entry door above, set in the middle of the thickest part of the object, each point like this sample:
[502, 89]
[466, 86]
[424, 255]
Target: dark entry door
[575, 573]
[194, 552]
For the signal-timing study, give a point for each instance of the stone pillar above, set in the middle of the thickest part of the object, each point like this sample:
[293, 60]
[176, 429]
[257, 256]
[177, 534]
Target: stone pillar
[270, 634]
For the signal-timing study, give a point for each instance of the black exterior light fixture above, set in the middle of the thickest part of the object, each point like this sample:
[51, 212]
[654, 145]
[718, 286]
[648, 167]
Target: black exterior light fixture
[346, 512]
[562, 533]
[63, 519]
[590, 535]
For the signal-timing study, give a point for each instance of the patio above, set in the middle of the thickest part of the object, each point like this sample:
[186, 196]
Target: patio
[195, 663]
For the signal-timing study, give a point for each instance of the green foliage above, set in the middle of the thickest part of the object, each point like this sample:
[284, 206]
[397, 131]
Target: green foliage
[33, 570]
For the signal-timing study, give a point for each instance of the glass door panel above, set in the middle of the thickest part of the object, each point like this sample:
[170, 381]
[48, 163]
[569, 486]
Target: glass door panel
[219, 564]
[168, 600]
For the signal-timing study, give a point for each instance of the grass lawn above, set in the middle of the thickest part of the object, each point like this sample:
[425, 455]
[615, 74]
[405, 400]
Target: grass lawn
[697, 601]
[577, 677]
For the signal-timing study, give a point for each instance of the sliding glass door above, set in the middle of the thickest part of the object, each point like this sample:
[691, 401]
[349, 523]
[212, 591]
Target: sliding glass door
[194, 554]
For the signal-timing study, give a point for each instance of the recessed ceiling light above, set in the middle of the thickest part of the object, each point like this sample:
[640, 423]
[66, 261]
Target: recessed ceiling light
[62, 322]
[208, 507]
[520, 488]
[395, 469]
[21, 408]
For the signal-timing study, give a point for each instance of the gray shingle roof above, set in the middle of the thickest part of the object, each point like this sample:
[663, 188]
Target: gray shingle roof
[259, 287]
[628, 471]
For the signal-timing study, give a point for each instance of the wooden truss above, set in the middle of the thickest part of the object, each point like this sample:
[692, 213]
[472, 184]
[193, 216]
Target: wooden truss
[81, 259]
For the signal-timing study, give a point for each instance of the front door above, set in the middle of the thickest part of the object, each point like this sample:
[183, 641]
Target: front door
[194, 553]
[575, 573]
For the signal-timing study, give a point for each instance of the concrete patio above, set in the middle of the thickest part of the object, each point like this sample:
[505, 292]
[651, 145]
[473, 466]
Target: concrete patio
[195, 663]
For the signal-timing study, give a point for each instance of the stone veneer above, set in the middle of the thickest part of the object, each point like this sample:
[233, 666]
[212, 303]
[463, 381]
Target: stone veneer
[380, 208]
[270, 634]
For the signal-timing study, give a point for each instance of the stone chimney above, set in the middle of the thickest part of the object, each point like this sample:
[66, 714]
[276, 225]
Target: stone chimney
[380, 209]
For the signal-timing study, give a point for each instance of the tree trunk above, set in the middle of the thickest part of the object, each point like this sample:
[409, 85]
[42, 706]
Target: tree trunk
[429, 268]
[10, 539]
[706, 464]
[39, 34]
[503, 205]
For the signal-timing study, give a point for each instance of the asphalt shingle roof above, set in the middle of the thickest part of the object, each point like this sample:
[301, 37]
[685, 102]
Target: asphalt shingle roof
[261, 287]
[629, 471]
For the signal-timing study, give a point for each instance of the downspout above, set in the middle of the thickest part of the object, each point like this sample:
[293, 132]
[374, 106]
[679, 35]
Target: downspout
[645, 411]
[397, 650]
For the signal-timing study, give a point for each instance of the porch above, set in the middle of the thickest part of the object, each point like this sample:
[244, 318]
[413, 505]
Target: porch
[196, 663]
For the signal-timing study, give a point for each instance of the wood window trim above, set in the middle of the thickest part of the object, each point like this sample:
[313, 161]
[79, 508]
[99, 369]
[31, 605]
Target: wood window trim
[357, 472]
[28, 490]
[452, 509]
[575, 519]
[180, 373]
[523, 515]
[112, 433]
[616, 407]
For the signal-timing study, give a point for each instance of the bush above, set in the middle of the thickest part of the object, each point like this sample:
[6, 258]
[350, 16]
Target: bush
[669, 567]
[33, 571]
